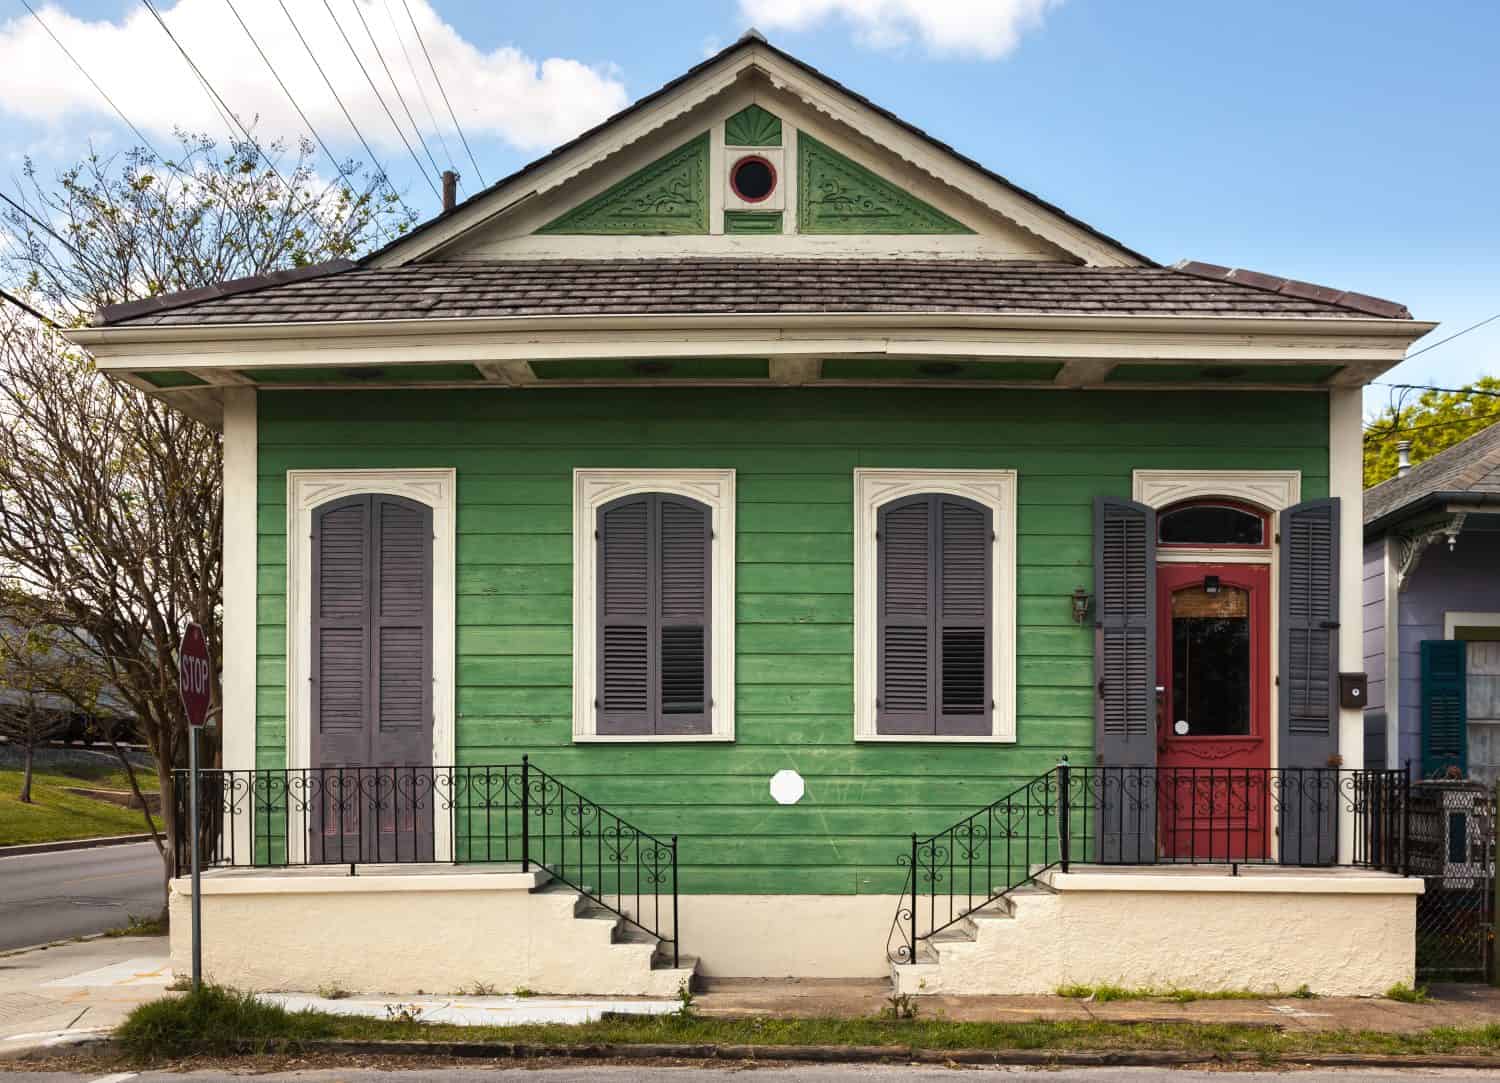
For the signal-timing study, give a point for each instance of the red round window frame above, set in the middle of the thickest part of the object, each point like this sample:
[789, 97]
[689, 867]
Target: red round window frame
[734, 172]
[1218, 502]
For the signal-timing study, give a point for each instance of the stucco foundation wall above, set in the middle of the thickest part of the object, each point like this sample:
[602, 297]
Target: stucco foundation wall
[1265, 937]
[777, 936]
[402, 937]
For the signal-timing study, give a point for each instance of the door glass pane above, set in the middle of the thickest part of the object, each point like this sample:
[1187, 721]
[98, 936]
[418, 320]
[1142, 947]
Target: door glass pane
[1211, 661]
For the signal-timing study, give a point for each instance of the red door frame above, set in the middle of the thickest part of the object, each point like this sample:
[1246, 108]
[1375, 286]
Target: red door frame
[1214, 790]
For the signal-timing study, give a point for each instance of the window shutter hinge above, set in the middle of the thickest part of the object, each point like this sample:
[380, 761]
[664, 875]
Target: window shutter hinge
[994, 537]
[1101, 687]
[1278, 537]
[1278, 680]
[596, 535]
[596, 703]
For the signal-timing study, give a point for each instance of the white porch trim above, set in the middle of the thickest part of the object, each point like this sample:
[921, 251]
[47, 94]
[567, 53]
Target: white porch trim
[237, 718]
[1454, 619]
[309, 489]
[1346, 481]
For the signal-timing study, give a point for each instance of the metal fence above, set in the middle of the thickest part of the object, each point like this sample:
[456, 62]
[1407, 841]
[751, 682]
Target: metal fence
[1452, 848]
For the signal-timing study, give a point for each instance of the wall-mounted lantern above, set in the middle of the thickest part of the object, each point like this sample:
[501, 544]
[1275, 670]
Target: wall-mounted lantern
[1080, 599]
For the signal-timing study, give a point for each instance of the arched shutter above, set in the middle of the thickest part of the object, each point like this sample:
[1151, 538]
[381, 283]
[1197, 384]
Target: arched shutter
[341, 632]
[625, 596]
[1309, 680]
[654, 627]
[934, 616]
[1125, 668]
[1445, 736]
[401, 616]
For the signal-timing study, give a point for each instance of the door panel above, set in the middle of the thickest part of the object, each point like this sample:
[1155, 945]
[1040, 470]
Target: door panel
[1213, 668]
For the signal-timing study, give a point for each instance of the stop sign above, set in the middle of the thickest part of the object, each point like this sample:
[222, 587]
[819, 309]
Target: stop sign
[194, 674]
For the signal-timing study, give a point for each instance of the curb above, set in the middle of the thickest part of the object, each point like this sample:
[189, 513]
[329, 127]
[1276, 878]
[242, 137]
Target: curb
[825, 1054]
[70, 844]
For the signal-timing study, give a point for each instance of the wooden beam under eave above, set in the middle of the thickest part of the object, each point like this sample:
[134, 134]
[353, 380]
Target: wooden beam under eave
[795, 371]
[510, 373]
[1358, 374]
[1083, 372]
[223, 378]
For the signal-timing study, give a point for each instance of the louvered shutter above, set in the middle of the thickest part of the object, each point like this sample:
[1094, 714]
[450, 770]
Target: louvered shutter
[683, 629]
[341, 633]
[626, 587]
[402, 627]
[1309, 680]
[905, 587]
[964, 627]
[1125, 668]
[1445, 736]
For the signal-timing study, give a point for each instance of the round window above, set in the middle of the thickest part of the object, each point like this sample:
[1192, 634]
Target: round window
[753, 178]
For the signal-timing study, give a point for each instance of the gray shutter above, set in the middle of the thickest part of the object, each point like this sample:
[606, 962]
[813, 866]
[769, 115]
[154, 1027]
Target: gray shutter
[341, 632]
[1309, 680]
[626, 590]
[904, 587]
[682, 663]
[1125, 667]
[402, 627]
[964, 623]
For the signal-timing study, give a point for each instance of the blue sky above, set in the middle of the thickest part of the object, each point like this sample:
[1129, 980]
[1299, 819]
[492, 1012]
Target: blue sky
[1348, 143]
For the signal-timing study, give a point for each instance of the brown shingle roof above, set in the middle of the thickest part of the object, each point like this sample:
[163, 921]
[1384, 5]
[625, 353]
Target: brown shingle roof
[725, 286]
[1472, 466]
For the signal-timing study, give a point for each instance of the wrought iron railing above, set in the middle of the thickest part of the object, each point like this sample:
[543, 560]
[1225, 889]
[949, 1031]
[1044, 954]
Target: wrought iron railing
[491, 814]
[1227, 816]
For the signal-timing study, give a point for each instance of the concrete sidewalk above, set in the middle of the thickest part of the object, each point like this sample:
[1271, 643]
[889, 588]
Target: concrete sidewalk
[1449, 1006]
[56, 995]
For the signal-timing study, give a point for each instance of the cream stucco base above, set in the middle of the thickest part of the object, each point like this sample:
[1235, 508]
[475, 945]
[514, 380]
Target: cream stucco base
[436, 933]
[778, 936]
[1340, 934]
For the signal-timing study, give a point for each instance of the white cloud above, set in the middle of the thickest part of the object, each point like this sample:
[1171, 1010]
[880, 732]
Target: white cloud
[528, 103]
[985, 28]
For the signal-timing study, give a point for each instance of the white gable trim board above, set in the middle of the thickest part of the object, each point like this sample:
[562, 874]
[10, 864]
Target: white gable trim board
[310, 489]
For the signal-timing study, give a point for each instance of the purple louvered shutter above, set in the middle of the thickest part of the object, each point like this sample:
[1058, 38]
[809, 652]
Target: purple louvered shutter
[935, 625]
[1125, 667]
[654, 575]
[401, 619]
[1309, 705]
[341, 632]
[964, 625]
[683, 629]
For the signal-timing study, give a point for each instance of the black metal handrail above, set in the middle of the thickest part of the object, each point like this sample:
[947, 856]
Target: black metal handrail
[494, 813]
[1111, 815]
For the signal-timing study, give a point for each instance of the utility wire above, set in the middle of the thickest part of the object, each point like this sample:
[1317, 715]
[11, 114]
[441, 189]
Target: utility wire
[1456, 334]
[47, 321]
[1483, 420]
[342, 107]
[421, 90]
[376, 90]
[1443, 390]
[439, 80]
[338, 166]
[360, 11]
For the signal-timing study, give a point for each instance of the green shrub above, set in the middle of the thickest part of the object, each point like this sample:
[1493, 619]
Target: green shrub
[215, 1020]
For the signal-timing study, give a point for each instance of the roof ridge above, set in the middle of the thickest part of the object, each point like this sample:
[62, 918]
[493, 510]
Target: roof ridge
[1291, 287]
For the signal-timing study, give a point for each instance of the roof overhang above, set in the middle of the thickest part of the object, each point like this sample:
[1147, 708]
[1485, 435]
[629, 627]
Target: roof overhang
[1448, 503]
[1086, 351]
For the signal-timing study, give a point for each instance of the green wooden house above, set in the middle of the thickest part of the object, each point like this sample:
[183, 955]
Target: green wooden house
[758, 538]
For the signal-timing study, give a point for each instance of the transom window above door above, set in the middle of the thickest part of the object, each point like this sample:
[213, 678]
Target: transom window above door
[1212, 523]
[653, 650]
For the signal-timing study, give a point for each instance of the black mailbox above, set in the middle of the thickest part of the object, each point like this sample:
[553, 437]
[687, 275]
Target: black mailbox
[1354, 689]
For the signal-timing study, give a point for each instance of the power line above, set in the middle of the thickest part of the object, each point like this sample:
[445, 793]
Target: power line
[338, 167]
[439, 80]
[47, 321]
[1443, 390]
[342, 107]
[1456, 334]
[358, 10]
[1483, 420]
[412, 68]
[376, 90]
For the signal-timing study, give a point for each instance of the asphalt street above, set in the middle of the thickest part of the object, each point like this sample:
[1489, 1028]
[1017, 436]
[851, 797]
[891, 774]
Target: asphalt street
[819, 1074]
[46, 897]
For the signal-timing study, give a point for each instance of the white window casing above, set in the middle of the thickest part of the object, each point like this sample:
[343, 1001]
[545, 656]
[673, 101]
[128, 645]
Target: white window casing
[994, 489]
[592, 489]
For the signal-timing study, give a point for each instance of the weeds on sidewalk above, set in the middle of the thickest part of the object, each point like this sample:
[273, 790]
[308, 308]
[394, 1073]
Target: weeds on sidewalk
[1103, 994]
[139, 926]
[1406, 994]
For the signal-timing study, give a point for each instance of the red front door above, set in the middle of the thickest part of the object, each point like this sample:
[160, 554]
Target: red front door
[1213, 725]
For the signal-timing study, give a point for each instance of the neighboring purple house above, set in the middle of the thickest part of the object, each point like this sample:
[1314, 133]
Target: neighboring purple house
[1432, 613]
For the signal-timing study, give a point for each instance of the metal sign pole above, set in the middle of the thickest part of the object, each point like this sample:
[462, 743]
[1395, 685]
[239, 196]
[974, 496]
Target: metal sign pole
[193, 830]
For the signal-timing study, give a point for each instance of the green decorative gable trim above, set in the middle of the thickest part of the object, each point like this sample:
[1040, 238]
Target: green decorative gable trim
[668, 196]
[752, 126]
[752, 221]
[836, 195]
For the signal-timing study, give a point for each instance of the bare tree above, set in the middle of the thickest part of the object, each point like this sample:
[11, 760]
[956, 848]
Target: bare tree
[110, 502]
[32, 668]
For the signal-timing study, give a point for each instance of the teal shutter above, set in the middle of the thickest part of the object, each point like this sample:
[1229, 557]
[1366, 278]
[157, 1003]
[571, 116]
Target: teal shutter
[1445, 739]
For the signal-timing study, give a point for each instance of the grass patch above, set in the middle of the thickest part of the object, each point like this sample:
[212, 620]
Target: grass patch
[221, 1021]
[1103, 994]
[56, 815]
[139, 926]
[1406, 994]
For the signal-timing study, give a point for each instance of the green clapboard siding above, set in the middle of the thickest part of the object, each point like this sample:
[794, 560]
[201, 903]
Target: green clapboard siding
[794, 451]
